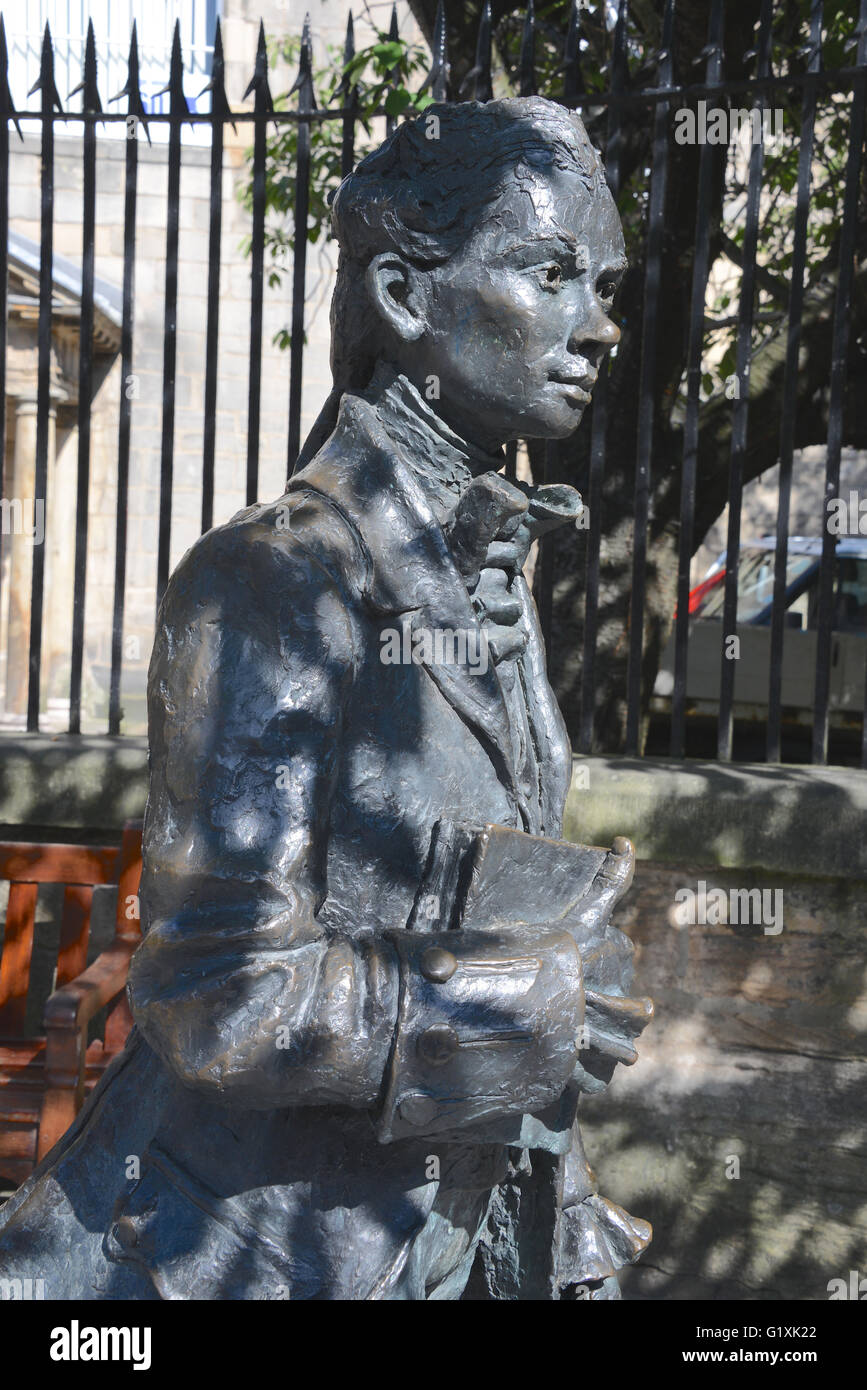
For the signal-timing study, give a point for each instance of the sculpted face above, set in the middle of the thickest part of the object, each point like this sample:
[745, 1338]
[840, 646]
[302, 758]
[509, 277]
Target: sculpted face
[515, 325]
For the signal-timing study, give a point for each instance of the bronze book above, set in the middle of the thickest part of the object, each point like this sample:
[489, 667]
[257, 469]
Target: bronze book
[480, 876]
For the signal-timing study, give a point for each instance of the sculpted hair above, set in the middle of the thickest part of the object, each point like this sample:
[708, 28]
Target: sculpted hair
[422, 194]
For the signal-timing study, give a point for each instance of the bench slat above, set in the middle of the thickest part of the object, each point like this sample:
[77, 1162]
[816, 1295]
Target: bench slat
[58, 863]
[15, 963]
[74, 932]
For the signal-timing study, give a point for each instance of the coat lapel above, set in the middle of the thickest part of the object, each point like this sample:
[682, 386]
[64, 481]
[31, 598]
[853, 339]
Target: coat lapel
[413, 576]
[547, 727]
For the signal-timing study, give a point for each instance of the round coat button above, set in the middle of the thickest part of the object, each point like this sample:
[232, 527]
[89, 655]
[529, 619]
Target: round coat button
[125, 1233]
[438, 1045]
[418, 1109]
[438, 965]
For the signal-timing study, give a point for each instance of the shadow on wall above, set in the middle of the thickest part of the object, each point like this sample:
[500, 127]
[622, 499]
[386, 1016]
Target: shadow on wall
[740, 1134]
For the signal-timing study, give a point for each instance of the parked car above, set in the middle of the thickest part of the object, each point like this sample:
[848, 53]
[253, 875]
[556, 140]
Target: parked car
[755, 606]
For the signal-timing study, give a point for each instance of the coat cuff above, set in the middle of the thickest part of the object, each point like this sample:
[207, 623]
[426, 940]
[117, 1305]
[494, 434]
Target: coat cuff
[489, 1027]
[596, 1239]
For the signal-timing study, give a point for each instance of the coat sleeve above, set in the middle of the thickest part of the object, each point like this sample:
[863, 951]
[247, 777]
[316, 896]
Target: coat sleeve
[237, 986]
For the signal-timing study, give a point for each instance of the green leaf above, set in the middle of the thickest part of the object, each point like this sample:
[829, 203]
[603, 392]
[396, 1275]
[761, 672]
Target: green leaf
[397, 101]
[388, 54]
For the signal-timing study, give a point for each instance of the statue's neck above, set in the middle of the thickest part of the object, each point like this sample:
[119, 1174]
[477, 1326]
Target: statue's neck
[444, 462]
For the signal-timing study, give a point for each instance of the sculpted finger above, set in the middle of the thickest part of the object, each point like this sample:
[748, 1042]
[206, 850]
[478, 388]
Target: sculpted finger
[619, 866]
[614, 878]
[593, 910]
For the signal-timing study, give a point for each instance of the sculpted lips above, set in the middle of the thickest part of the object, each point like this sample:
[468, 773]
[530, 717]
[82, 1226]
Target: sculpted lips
[578, 384]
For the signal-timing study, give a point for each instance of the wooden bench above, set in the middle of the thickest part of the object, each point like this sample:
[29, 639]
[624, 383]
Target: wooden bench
[44, 1078]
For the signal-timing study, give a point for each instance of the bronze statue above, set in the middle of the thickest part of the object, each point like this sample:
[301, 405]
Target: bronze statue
[374, 982]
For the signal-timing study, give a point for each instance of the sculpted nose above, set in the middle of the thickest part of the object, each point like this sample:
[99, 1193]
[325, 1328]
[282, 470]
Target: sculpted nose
[609, 334]
[593, 330]
[600, 330]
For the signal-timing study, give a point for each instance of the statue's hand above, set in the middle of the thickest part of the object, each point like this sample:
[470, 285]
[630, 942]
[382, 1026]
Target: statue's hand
[612, 881]
[612, 1019]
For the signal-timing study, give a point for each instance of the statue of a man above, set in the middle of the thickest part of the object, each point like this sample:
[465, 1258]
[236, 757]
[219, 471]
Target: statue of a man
[370, 991]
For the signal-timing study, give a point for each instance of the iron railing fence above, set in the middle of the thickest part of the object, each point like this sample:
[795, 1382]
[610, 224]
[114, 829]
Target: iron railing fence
[68, 21]
[620, 98]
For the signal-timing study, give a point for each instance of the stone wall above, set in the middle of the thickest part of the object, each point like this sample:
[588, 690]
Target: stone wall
[741, 1133]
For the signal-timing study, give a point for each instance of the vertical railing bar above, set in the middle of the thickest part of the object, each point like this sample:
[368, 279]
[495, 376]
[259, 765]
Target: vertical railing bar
[306, 106]
[90, 102]
[7, 112]
[839, 348]
[619, 75]
[177, 108]
[573, 81]
[49, 99]
[262, 106]
[220, 113]
[646, 402]
[527, 59]
[700, 268]
[741, 405]
[350, 101]
[599, 422]
[438, 76]
[790, 387]
[480, 74]
[135, 114]
[393, 35]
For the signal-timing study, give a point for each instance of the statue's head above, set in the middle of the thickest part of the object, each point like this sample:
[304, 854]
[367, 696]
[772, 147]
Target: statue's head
[480, 246]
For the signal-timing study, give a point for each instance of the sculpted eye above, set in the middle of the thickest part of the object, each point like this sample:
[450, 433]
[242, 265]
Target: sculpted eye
[606, 290]
[550, 276]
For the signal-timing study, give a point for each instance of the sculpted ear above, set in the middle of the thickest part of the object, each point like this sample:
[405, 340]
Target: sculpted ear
[395, 290]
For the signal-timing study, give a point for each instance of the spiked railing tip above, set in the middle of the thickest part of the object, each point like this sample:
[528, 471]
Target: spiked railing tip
[527, 60]
[45, 81]
[343, 90]
[303, 83]
[438, 76]
[480, 72]
[217, 84]
[90, 101]
[573, 80]
[258, 83]
[132, 89]
[7, 106]
[178, 104]
[664, 57]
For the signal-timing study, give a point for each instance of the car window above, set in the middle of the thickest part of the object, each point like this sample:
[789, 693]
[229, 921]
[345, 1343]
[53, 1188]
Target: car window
[850, 599]
[755, 584]
[800, 610]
